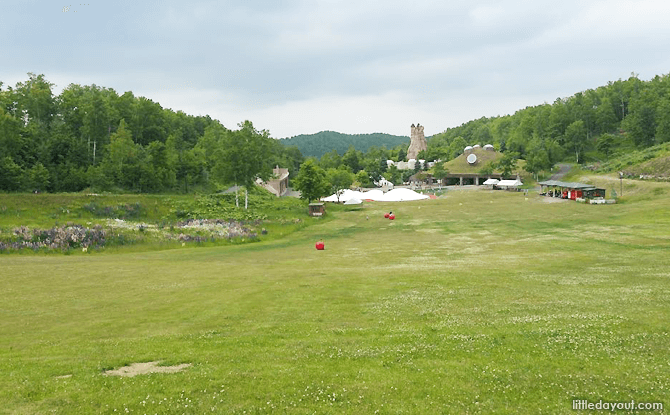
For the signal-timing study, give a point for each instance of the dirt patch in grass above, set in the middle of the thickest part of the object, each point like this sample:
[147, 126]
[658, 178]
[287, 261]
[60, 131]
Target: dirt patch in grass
[144, 368]
[548, 199]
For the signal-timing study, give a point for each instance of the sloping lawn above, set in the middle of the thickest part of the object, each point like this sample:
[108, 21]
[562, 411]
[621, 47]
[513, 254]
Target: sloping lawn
[478, 302]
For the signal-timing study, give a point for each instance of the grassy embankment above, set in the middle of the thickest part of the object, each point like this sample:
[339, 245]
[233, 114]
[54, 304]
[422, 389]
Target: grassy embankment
[653, 162]
[147, 222]
[478, 302]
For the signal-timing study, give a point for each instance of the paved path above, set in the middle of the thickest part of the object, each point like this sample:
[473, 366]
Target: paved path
[563, 169]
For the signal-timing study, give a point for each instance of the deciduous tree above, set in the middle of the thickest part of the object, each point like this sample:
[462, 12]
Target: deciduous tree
[575, 137]
[311, 181]
[245, 156]
[37, 178]
[10, 175]
[507, 163]
[340, 180]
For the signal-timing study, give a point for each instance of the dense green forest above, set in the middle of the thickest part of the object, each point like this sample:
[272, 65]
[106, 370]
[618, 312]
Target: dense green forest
[316, 145]
[589, 127]
[92, 137]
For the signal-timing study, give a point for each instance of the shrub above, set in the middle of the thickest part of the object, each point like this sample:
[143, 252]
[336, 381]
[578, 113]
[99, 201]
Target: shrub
[125, 211]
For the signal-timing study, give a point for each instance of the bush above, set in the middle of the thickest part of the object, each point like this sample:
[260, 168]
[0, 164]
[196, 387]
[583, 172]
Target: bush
[262, 205]
[126, 211]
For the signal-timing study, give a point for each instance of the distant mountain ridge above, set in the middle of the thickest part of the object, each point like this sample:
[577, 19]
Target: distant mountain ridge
[316, 145]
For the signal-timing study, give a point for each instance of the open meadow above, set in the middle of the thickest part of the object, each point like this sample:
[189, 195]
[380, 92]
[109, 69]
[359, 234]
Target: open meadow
[477, 302]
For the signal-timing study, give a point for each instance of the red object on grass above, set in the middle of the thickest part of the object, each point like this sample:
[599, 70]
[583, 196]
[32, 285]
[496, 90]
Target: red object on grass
[391, 216]
[386, 215]
[320, 246]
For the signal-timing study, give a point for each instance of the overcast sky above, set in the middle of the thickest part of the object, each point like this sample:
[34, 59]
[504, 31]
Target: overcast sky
[353, 66]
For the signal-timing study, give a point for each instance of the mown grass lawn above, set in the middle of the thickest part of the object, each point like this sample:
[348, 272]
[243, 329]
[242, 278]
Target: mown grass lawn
[478, 302]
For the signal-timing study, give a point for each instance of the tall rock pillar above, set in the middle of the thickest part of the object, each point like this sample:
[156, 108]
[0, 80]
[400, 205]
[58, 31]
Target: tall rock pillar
[417, 142]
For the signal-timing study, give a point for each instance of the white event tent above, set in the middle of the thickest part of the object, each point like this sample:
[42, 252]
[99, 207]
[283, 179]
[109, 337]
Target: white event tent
[395, 195]
[353, 201]
[344, 196]
[506, 184]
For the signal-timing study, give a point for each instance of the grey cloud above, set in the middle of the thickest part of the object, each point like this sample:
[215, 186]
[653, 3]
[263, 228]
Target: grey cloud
[272, 54]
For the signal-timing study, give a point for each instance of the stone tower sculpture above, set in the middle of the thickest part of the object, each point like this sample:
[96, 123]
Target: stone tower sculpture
[417, 142]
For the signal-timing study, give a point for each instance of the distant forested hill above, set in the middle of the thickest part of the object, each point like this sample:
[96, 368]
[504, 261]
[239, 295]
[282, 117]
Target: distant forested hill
[316, 145]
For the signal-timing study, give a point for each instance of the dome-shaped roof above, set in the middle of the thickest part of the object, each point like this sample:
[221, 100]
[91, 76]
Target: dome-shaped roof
[468, 148]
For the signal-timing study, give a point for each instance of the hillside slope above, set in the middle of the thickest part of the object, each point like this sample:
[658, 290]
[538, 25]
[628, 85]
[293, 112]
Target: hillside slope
[316, 145]
[651, 163]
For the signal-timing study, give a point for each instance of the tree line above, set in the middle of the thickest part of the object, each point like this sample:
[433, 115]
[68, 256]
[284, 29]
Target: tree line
[590, 126]
[92, 137]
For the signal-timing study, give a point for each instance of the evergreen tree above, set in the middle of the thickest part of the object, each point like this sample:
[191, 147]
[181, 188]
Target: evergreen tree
[417, 166]
[402, 154]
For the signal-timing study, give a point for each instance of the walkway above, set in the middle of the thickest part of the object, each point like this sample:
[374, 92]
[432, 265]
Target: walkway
[563, 169]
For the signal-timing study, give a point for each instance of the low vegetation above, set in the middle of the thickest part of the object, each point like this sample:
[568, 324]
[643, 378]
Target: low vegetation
[91, 222]
[652, 162]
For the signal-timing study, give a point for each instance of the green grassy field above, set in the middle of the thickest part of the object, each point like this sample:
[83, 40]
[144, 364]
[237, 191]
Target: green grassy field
[478, 302]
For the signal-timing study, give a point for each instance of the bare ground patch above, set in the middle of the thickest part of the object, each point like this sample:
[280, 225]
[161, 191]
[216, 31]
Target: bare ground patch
[145, 368]
[549, 199]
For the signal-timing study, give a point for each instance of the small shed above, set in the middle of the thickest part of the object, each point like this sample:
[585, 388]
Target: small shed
[317, 209]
